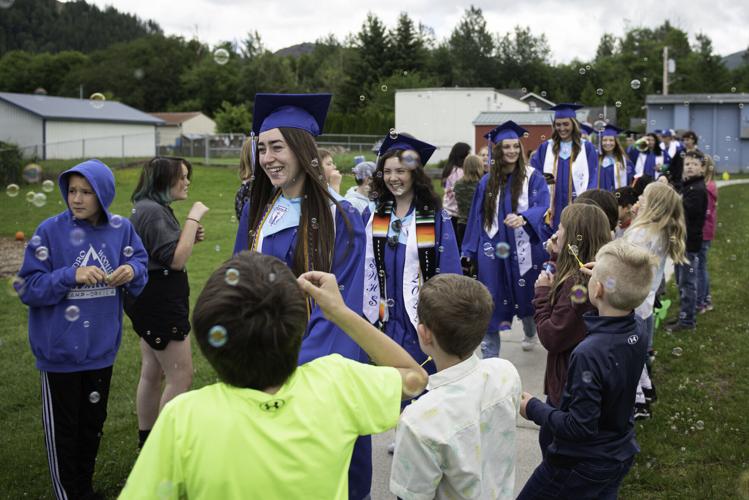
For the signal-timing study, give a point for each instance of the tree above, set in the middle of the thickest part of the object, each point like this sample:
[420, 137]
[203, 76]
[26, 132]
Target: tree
[233, 119]
[471, 49]
[522, 57]
[408, 52]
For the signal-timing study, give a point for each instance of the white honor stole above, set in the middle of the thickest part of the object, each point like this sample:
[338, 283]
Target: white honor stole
[412, 278]
[620, 174]
[640, 165]
[522, 238]
[283, 215]
[579, 171]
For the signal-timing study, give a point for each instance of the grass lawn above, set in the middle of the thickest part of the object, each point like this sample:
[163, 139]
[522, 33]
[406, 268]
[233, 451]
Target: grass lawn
[711, 373]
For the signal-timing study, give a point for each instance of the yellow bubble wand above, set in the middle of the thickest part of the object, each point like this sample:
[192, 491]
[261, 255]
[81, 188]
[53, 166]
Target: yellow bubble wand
[574, 253]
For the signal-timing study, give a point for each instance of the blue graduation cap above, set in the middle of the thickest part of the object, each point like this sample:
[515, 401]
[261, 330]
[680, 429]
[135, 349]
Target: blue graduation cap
[302, 111]
[587, 129]
[667, 132]
[611, 131]
[405, 142]
[565, 110]
[507, 130]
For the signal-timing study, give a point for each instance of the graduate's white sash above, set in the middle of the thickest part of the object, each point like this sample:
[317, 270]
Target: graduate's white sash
[283, 216]
[580, 173]
[522, 238]
[411, 277]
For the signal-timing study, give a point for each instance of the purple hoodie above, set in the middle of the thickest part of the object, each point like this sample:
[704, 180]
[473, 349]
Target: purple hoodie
[76, 327]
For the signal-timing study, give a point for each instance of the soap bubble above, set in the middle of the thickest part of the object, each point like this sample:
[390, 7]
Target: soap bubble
[35, 240]
[231, 276]
[699, 425]
[138, 73]
[42, 253]
[40, 199]
[610, 284]
[48, 186]
[618, 104]
[128, 251]
[86, 324]
[635, 84]
[32, 173]
[587, 377]
[12, 190]
[393, 133]
[488, 249]
[221, 56]
[96, 100]
[77, 236]
[217, 248]
[384, 88]
[441, 249]
[271, 277]
[543, 93]
[579, 294]
[72, 313]
[599, 92]
[521, 282]
[390, 302]
[582, 71]
[94, 397]
[217, 336]
[677, 351]
[115, 221]
[503, 250]
[362, 98]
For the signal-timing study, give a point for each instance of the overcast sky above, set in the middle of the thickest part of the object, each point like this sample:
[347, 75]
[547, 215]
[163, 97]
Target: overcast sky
[573, 28]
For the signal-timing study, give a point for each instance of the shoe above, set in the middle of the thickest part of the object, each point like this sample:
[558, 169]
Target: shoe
[642, 411]
[391, 448]
[708, 307]
[650, 394]
[671, 322]
[680, 328]
[529, 343]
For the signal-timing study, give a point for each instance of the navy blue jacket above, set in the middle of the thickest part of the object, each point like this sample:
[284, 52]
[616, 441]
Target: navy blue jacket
[595, 417]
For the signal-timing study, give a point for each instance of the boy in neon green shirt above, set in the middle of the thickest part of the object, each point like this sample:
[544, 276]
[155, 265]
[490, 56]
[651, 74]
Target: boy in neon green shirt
[271, 429]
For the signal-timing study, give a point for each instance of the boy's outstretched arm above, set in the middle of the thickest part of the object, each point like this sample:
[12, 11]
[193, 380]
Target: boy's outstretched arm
[323, 288]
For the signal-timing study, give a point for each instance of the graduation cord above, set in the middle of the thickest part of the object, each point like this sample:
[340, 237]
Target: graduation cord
[254, 238]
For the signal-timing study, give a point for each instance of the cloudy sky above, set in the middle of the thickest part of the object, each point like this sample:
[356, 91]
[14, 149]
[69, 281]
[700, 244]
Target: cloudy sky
[573, 30]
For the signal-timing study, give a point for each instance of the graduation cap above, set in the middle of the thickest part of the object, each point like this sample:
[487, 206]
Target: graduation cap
[507, 130]
[565, 110]
[302, 111]
[667, 132]
[587, 129]
[611, 131]
[403, 142]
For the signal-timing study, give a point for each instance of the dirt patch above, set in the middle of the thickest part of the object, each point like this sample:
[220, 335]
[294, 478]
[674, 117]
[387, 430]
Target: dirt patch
[11, 256]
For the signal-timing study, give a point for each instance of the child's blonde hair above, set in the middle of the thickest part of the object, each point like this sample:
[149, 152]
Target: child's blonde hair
[626, 271]
[473, 169]
[709, 165]
[245, 160]
[663, 214]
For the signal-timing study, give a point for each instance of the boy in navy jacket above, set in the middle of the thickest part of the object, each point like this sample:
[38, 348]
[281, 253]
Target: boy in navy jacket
[73, 273]
[594, 438]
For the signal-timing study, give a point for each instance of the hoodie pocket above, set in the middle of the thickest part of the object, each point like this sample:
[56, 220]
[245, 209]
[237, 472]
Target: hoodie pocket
[88, 339]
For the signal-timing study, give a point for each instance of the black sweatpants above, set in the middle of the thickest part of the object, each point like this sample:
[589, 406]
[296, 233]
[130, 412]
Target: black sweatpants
[74, 408]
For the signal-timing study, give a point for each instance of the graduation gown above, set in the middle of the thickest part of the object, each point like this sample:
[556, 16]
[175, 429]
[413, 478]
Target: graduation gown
[321, 336]
[560, 187]
[510, 280]
[648, 163]
[399, 326]
[606, 177]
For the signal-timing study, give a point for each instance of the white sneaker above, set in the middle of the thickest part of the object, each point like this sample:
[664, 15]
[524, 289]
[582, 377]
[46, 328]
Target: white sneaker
[529, 343]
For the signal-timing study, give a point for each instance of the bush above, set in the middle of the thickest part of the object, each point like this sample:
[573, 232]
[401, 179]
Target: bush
[11, 163]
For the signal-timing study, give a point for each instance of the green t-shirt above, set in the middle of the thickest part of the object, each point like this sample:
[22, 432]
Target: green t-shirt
[226, 442]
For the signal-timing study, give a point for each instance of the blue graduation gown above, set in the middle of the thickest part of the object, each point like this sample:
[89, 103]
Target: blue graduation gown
[562, 179]
[632, 153]
[512, 292]
[605, 177]
[322, 337]
[399, 327]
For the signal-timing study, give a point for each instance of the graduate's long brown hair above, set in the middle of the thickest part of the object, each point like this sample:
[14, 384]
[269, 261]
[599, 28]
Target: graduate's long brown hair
[315, 241]
[498, 181]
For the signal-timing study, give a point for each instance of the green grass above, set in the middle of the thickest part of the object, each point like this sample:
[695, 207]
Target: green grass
[712, 372]
[708, 382]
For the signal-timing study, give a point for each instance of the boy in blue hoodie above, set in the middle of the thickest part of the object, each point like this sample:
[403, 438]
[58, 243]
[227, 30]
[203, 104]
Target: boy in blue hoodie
[594, 438]
[72, 278]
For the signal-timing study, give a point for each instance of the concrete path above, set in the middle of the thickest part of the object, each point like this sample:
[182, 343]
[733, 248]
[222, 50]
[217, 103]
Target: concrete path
[530, 366]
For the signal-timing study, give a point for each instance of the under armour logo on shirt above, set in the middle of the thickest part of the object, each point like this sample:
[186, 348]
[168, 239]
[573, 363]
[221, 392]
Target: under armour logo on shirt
[632, 339]
[273, 405]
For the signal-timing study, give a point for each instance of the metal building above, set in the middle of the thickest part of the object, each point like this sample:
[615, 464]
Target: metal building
[48, 127]
[721, 122]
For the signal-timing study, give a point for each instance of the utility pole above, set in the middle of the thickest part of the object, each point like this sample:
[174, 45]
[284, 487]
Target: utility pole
[665, 70]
